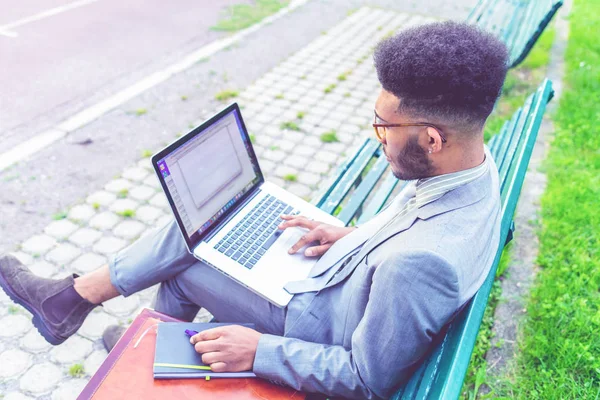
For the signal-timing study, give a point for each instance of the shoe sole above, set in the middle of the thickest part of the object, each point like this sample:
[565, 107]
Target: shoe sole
[38, 321]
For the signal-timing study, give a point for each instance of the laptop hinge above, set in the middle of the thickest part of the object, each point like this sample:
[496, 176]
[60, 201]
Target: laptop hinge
[232, 214]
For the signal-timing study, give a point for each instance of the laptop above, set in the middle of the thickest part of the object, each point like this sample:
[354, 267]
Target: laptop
[228, 214]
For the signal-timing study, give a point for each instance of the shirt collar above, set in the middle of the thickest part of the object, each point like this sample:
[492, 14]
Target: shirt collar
[431, 189]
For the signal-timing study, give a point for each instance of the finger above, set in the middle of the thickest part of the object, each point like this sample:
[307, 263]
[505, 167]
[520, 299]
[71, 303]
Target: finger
[219, 367]
[301, 222]
[212, 357]
[316, 250]
[304, 240]
[209, 334]
[208, 346]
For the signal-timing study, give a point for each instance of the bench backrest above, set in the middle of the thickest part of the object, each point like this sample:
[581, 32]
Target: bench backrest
[358, 195]
[518, 23]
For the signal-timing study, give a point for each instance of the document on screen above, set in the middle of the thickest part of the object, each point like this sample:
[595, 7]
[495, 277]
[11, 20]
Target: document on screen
[211, 166]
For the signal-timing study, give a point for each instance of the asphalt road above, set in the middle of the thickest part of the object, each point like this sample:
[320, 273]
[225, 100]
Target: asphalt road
[56, 56]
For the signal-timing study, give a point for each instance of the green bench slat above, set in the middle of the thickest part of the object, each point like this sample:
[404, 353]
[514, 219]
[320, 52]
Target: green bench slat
[362, 191]
[380, 198]
[518, 23]
[325, 192]
[350, 177]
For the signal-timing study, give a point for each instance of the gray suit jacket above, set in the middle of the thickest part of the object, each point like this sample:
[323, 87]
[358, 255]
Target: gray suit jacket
[360, 333]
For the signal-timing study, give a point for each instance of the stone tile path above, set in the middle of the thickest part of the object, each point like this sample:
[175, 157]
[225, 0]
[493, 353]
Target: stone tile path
[305, 116]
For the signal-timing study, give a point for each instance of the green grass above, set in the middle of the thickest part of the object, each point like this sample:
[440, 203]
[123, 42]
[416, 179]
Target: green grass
[252, 138]
[290, 178]
[329, 88]
[60, 215]
[226, 95]
[140, 111]
[329, 137]
[123, 193]
[279, 96]
[240, 16]
[146, 153]
[95, 205]
[289, 125]
[300, 114]
[559, 354]
[521, 82]
[77, 371]
[127, 213]
[184, 98]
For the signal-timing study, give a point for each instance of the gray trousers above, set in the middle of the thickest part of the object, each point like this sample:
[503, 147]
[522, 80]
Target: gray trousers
[187, 284]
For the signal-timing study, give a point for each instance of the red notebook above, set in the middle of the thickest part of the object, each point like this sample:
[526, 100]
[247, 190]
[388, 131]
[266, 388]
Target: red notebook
[127, 373]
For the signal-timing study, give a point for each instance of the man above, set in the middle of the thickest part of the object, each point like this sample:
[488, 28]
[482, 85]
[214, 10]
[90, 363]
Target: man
[381, 294]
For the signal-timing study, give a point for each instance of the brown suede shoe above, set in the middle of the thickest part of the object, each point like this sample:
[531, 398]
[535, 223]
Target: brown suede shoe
[58, 310]
[111, 336]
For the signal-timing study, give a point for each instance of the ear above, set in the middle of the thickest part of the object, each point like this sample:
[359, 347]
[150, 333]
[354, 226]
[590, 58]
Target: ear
[434, 140]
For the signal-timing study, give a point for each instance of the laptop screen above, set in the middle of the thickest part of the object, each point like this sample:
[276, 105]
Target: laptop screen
[208, 171]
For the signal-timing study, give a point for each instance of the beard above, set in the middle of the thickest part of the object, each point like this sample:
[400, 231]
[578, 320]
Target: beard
[412, 162]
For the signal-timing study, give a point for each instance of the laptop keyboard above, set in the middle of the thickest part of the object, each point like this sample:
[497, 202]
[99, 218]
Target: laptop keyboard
[250, 239]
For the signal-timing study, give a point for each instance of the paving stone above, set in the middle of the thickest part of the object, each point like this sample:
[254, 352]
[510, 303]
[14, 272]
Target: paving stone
[145, 163]
[43, 268]
[317, 167]
[304, 150]
[313, 141]
[101, 198]
[142, 193]
[13, 362]
[69, 390]
[129, 229]
[88, 262]
[23, 257]
[72, 350]
[33, 342]
[38, 244]
[81, 212]
[162, 221]
[308, 178]
[118, 185]
[40, 378]
[299, 189]
[122, 205]
[159, 200]
[105, 220]
[16, 396]
[93, 362]
[4, 299]
[95, 323]
[274, 155]
[350, 128]
[14, 325]
[60, 229]
[148, 214]
[285, 145]
[109, 245]
[63, 254]
[267, 166]
[325, 156]
[85, 237]
[296, 161]
[122, 306]
[283, 170]
[136, 174]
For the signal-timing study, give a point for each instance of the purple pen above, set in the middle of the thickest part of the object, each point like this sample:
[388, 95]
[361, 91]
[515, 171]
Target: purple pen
[190, 333]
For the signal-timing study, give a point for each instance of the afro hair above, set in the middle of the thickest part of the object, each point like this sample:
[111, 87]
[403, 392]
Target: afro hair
[447, 72]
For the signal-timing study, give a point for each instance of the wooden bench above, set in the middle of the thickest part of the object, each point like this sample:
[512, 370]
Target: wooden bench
[363, 184]
[518, 23]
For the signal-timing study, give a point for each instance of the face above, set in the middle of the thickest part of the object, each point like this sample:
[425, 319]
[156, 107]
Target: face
[402, 145]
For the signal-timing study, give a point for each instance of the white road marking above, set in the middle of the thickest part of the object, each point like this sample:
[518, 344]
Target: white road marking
[95, 111]
[5, 30]
[8, 34]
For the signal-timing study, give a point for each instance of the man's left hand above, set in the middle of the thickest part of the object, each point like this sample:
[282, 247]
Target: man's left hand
[228, 348]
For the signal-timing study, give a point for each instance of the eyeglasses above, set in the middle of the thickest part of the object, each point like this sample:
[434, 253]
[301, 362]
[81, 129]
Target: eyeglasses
[380, 128]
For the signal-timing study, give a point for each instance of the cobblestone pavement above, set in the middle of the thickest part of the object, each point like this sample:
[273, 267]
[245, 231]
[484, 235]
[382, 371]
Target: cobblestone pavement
[305, 116]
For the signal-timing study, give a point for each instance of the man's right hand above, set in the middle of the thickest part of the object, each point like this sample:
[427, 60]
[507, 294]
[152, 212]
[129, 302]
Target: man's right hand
[320, 232]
